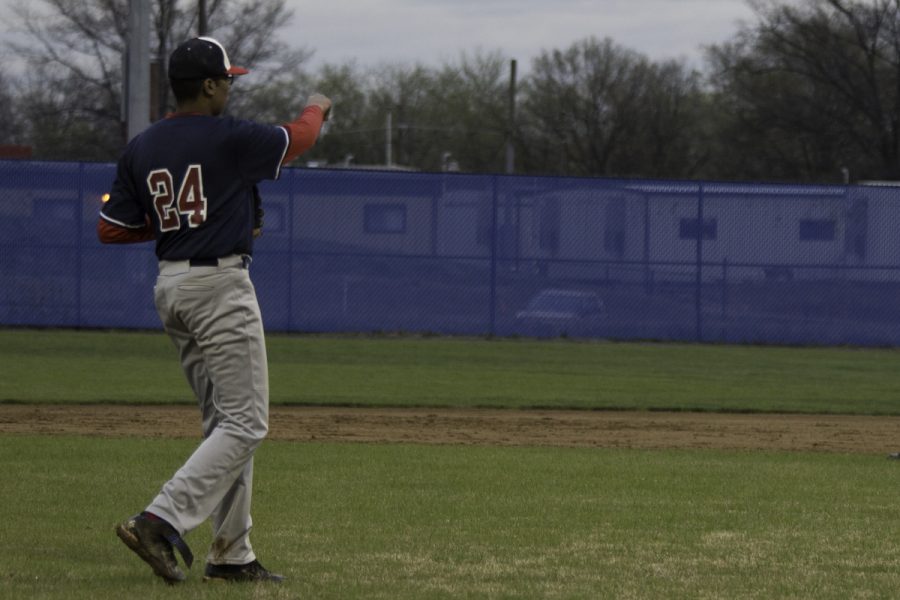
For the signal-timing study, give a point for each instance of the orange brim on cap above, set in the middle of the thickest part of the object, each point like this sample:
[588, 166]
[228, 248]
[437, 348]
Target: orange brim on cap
[237, 71]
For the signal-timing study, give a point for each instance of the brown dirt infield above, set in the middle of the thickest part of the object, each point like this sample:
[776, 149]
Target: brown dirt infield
[590, 429]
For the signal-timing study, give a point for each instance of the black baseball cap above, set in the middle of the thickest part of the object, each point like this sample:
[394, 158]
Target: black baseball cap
[199, 58]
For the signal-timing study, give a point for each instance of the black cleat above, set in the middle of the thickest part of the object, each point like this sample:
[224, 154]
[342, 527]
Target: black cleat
[152, 539]
[252, 571]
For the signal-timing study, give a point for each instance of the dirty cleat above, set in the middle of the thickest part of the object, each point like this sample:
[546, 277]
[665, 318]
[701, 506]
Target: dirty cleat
[152, 539]
[252, 571]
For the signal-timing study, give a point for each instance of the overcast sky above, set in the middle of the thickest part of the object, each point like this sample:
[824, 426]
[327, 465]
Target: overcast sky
[437, 31]
[433, 32]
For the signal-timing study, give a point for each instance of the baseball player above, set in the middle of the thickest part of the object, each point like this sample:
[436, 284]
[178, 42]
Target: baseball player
[189, 183]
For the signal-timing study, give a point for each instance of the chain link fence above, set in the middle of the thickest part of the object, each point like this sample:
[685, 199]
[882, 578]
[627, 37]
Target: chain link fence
[386, 251]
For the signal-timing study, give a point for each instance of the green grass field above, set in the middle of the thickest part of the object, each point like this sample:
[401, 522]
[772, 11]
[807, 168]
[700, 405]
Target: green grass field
[348, 521]
[90, 367]
[407, 522]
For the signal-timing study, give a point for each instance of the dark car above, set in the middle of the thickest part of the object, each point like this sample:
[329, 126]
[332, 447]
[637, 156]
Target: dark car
[556, 312]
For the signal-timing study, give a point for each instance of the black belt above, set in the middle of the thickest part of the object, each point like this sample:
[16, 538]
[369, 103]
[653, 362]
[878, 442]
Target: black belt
[204, 262]
[214, 262]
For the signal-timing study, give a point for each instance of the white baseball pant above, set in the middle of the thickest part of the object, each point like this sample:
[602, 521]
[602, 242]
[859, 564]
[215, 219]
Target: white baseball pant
[212, 315]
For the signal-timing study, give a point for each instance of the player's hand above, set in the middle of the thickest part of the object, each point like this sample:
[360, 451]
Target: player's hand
[323, 102]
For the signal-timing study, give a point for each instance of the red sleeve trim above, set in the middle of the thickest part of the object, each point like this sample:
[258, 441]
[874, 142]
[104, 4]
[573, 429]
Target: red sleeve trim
[303, 132]
[113, 234]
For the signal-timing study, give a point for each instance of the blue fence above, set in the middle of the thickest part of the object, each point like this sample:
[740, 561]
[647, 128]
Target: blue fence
[470, 254]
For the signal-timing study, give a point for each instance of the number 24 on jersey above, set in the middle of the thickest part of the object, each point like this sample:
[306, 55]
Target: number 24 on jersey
[190, 200]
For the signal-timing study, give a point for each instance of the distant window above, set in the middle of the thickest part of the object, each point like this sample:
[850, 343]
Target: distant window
[817, 230]
[385, 218]
[690, 229]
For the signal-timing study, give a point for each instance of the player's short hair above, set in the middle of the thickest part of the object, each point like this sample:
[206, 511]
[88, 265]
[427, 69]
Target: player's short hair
[186, 89]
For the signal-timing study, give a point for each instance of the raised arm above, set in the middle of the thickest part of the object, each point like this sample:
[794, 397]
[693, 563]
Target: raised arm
[304, 130]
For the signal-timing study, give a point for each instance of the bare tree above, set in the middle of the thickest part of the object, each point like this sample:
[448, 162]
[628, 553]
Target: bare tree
[453, 114]
[74, 51]
[672, 138]
[597, 108]
[469, 102]
[579, 105]
[811, 88]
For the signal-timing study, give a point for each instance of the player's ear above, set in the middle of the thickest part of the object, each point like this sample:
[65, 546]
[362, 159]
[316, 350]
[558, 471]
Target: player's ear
[208, 88]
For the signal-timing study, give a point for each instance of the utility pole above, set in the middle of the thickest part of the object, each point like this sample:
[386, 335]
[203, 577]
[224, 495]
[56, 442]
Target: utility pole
[137, 74]
[511, 120]
[201, 18]
[388, 147]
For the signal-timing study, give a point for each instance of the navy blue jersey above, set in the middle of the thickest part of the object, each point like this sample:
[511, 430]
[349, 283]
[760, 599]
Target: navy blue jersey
[193, 176]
